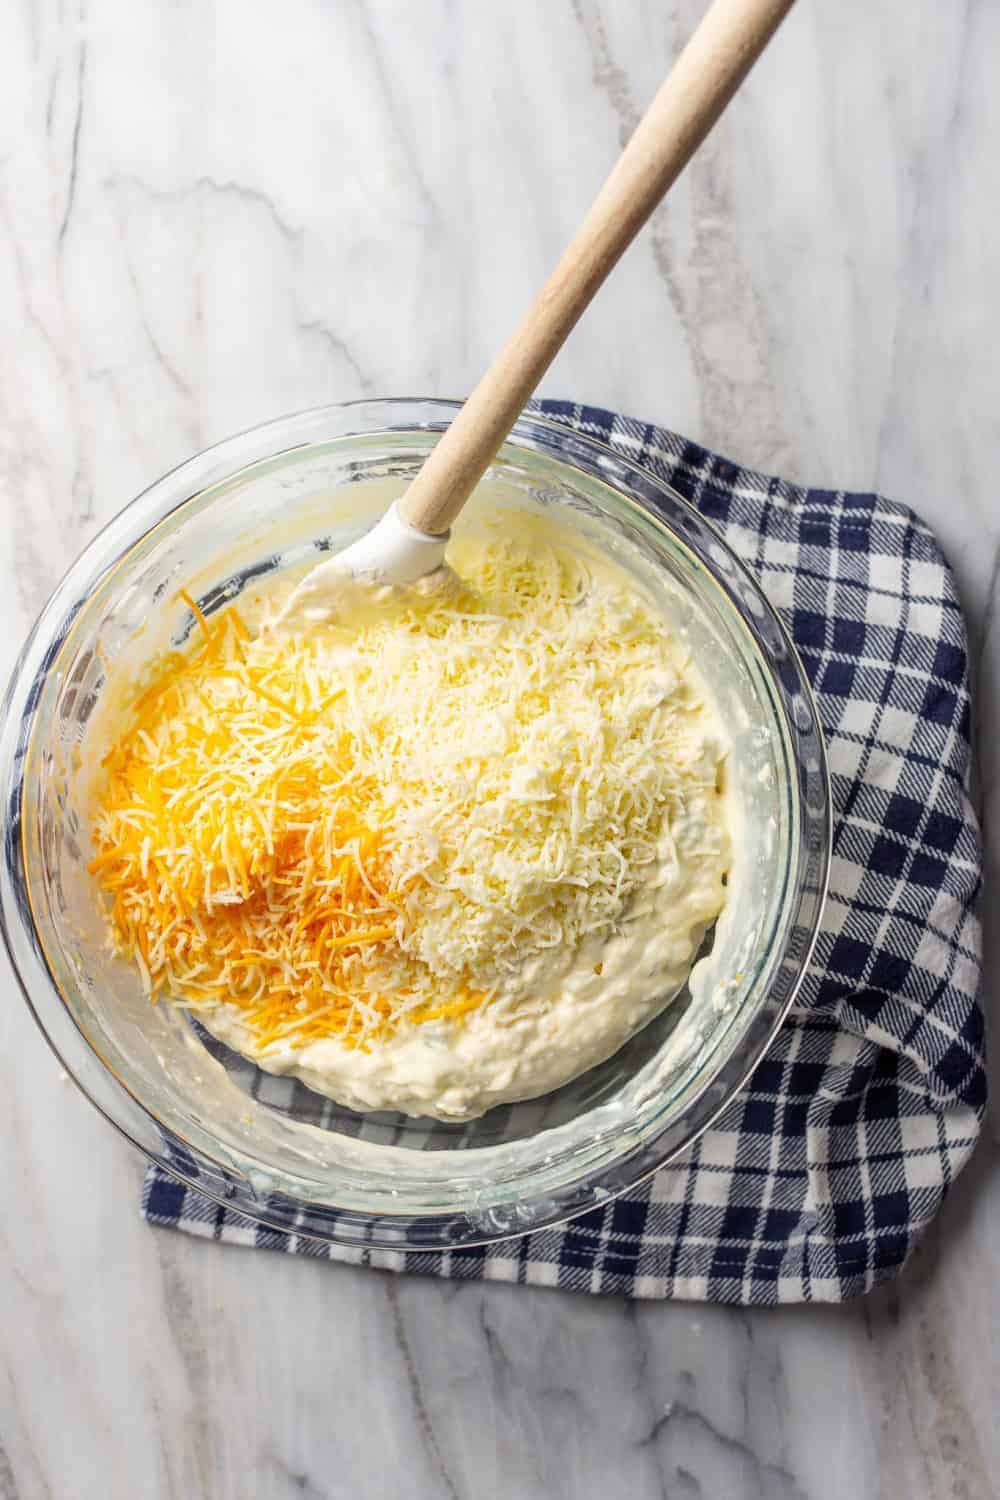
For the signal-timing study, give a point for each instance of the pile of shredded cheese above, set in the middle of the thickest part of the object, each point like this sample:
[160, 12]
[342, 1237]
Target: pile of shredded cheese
[348, 830]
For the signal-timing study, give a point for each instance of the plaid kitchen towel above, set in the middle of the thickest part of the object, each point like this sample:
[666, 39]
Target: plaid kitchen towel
[823, 1173]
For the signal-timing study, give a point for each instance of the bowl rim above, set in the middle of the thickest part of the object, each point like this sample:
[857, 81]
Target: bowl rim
[230, 448]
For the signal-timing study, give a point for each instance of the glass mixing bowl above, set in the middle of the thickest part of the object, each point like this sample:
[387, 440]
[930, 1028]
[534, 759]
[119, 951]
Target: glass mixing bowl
[276, 497]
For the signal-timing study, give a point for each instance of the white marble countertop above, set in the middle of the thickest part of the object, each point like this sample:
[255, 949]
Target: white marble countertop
[211, 214]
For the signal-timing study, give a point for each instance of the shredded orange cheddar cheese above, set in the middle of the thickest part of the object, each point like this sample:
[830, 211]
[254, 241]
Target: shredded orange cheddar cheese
[244, 852]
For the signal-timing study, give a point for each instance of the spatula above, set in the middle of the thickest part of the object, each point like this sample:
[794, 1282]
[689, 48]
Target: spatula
[408, 543]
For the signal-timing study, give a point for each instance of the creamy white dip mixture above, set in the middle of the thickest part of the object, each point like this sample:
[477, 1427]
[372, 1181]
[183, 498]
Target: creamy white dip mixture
[511, 833]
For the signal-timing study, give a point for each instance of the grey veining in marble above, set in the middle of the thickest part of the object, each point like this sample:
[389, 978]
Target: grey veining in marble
[211, 213]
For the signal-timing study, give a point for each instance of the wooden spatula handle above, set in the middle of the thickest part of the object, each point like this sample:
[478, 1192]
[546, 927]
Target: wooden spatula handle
[705, 77]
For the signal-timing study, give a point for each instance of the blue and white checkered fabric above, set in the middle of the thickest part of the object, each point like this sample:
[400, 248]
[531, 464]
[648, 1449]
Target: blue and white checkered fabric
[822, 1175]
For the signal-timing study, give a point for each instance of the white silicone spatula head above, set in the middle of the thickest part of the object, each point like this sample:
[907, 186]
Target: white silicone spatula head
[408, 543]
[392, 553]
